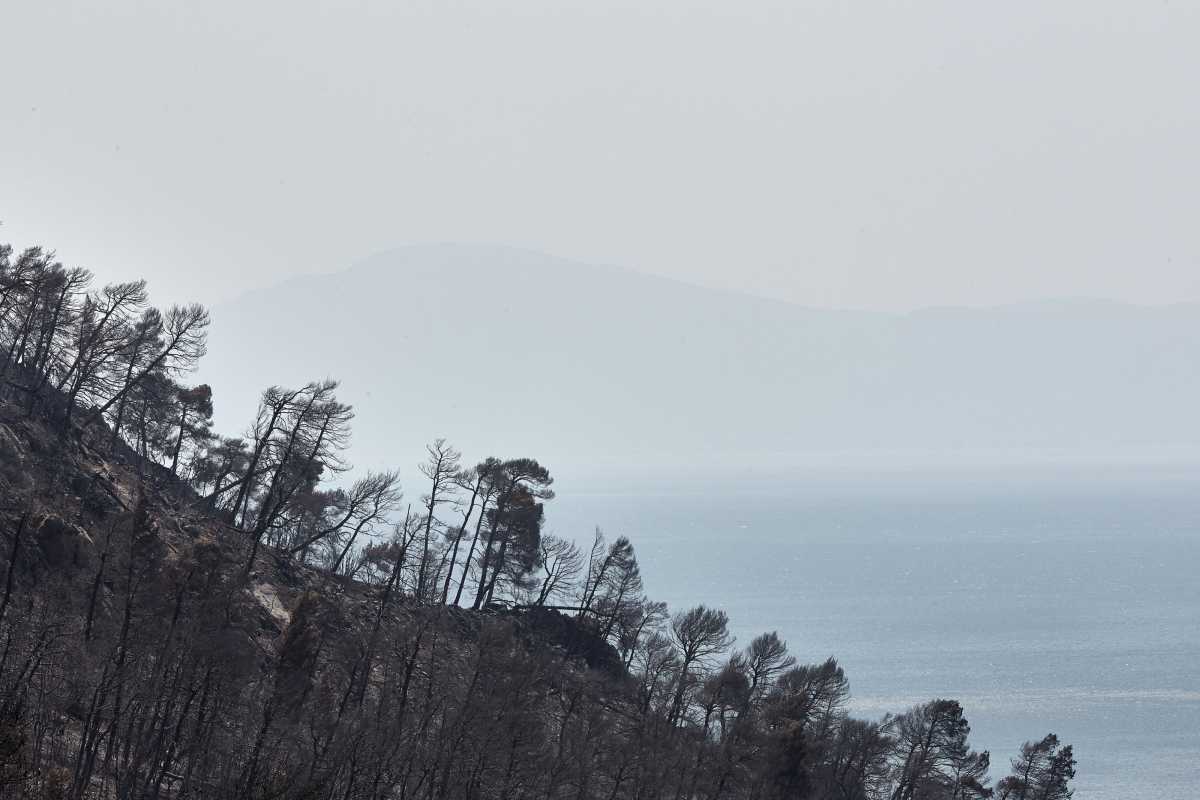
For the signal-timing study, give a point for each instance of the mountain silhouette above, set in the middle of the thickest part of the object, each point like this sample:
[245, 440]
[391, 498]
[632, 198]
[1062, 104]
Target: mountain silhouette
[595, 368]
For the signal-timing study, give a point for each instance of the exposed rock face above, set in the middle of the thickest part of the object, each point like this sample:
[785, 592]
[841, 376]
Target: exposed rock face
[268, 597]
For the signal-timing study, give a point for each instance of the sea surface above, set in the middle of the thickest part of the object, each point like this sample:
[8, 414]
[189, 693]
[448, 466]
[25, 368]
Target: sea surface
[1044, 603]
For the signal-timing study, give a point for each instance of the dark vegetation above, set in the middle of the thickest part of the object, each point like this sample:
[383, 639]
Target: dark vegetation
[188, 615]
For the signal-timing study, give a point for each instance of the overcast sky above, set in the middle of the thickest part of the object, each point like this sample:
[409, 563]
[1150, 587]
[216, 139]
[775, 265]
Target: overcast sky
[877, 155]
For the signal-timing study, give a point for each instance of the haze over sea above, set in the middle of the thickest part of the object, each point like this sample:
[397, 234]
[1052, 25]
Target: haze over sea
[1064, 603]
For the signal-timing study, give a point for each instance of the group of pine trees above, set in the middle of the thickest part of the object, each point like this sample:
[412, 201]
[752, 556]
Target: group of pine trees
[132, 667]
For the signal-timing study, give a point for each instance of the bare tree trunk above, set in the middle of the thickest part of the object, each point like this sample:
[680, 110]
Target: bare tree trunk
[462, 581]
[12, 565]
[179, 442]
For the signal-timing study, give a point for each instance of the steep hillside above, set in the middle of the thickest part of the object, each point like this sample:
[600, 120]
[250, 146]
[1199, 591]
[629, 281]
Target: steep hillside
[126, 597]
[186, 615]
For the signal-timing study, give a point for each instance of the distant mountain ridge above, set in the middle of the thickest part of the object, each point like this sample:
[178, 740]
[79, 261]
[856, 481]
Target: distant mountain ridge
[584, 366]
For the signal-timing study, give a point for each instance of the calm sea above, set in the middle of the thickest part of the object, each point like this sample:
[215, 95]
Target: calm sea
[1044, 604]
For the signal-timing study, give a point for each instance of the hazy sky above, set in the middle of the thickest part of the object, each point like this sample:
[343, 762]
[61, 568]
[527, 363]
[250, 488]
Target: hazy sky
[881, 155]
